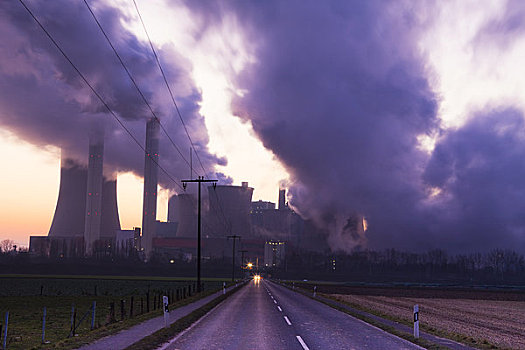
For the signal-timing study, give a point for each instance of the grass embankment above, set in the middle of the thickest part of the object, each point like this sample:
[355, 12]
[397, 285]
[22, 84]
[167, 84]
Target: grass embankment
[485, 324]
[25, 306]
[487, 320]
[166, 334]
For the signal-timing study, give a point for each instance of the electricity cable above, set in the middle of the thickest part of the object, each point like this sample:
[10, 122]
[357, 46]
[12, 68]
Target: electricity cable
[95, 92]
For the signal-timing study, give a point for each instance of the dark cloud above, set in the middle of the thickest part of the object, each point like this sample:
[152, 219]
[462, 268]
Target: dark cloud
[480, 170]
[339, 93]
[43, 100]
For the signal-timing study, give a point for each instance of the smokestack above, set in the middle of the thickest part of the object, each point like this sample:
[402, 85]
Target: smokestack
[282, 199]
[94, 193]
[149, 212]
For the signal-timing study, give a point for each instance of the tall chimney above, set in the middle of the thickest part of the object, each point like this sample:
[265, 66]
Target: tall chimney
[282, 199]
[94, 192]
[149, 212]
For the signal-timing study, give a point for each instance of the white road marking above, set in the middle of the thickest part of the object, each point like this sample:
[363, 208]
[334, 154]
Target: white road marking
[301, 341]
[287, 321]
[275, 301]
[280, 308]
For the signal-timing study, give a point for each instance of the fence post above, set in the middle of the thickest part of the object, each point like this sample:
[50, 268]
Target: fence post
[122, 311]
[72, 320]
[41, 290]
[141, 305]
[416, 321]
[5, 329]
[112, 312]
[93, 308]
[166, 311]
[131, 307]
[147, 301]
[44, 326]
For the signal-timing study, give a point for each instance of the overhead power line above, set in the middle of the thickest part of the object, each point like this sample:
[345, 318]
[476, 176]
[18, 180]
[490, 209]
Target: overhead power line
[95, 92]
[168, 86]
[224, 221]
[134, 81]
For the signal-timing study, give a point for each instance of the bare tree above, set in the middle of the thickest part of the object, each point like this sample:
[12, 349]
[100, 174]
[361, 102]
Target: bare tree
[6, 245]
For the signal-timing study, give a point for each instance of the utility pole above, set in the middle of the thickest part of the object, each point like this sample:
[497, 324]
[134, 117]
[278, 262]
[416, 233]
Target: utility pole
[199, 180]
[234, 237]
[242, 256]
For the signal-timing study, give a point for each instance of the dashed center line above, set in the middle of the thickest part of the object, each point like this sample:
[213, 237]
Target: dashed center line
[275, 301]
[280, 308]
[301, 341]
[287, 321]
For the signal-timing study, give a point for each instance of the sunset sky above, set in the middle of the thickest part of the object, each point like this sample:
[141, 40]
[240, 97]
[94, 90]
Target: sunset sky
[356, 107]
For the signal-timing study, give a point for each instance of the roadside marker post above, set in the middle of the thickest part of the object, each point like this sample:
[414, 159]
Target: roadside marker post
[223, 288]
[166, 311]
[416, 321]
[293, 285]
[5, 329]
[315, 291]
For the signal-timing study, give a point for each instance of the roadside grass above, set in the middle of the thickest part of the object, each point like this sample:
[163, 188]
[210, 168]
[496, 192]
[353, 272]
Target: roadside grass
[460, 338]
[166, 334]
[483, 344]
[26, 310]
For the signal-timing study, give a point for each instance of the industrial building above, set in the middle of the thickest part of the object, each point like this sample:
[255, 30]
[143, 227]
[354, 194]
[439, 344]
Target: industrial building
[274, 253]
[229, 211]
[86, 220]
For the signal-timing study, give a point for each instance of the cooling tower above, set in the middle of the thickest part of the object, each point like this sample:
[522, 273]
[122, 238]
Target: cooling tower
[229, 211]
[187, 215]
[173, 209]
[149, 204]
[110, 221]
[70, 213]
[70, 210]
[94, 194]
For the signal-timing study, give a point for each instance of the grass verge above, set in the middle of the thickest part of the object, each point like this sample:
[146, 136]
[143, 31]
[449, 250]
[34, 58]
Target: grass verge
[164, 335]
[113, 328]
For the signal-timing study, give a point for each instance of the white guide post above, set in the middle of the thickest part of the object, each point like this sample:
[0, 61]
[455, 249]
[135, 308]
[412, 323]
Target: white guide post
[166, 311]
[416, 321]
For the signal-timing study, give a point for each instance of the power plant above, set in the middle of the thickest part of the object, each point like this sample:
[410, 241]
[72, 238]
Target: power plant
[86, 220]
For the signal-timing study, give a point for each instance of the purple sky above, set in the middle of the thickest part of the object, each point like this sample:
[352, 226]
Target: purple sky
[341, 92]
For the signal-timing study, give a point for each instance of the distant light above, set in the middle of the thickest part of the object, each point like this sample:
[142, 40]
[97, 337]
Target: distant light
[172, 261]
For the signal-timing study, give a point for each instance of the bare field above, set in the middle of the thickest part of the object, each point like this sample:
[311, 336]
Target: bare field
[501, 323]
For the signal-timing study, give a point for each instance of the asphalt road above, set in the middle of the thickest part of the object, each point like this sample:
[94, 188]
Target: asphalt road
[268, 316]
